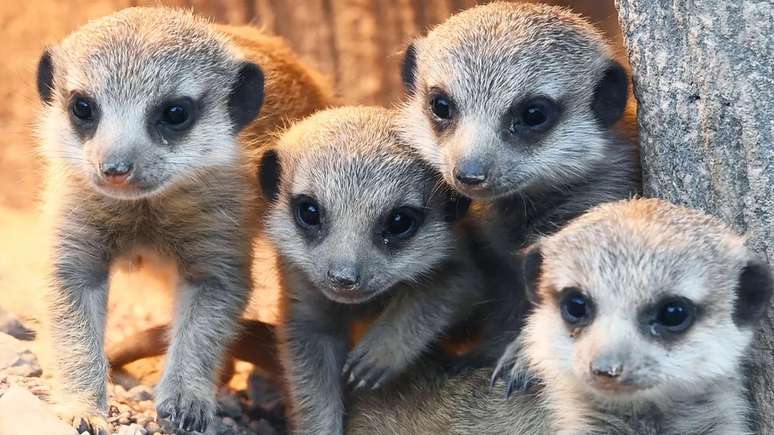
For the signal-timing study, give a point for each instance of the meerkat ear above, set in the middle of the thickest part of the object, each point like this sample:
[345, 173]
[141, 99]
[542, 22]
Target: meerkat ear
[456, 206]
[46, 77]
[531, 265]
[269, 172]
[408, 68]
[753, 293]
[246, 98]
[610, 95]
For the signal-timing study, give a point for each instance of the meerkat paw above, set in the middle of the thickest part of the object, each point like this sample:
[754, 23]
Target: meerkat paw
[84, 420]
[366, 369]
[185, 410]
[513, 370]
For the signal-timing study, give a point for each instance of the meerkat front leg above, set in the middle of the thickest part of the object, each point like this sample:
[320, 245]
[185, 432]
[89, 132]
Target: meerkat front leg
[212, 297]
[314, 348]
[77, 307]
[406, 328]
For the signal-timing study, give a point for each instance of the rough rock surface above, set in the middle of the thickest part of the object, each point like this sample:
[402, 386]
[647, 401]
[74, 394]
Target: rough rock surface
[253, 409]
[16, 359]
[704, 80]
[11, 325]
[23, 413]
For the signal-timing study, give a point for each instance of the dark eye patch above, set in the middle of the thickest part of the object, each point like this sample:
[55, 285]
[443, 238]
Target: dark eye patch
[577, 309]
[532, 117]
[441, 109]
[173, 118]
[669, 317]
[84, 114]
[401, 225]
[308, 216]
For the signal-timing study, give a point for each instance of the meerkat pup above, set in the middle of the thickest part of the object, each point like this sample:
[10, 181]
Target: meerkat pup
[644, 312]
[292, 90]
[363, 228]
[514, 104]
[139, 125]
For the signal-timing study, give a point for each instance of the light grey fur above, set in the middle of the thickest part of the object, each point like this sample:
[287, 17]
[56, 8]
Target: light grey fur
[625, 256]
[488, 59]
[351, 161]
[189, 199]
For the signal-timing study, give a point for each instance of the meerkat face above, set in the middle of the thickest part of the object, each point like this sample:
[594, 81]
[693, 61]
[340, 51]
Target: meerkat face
[354, 209]
[145, 99]
[504, 96]
[642, 301]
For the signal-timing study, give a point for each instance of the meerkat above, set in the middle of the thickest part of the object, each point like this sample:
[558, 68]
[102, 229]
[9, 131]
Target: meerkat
[292, 91]
[141, 114]
[644, 313]
[363, 228]
[514, 104]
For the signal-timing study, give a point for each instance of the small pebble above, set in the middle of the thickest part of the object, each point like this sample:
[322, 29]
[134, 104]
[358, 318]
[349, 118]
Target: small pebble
[262, 427]
[124, 418]
[133, 429]
[119, 392]
[153, 427]
[146, 405]
[229, 405]
[140, 393]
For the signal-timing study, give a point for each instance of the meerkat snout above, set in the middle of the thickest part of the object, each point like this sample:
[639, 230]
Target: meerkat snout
[471, 172]
[606, 367]
[345, 276]
[116, 172]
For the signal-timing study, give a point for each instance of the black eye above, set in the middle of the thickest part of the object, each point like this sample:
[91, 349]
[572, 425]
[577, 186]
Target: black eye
[401, 224]
[175, 114]
[82, 109]
[536, 115]
[675, 314]
[441, 105]
[576, 307]
[307, 212]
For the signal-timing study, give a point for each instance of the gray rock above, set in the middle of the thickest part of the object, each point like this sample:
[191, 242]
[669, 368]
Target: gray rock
[16, 359]
[23, 413]
[11, 325]
[703, 81]
[262, 427]
[152, 427]
[133, 429]
[140, 393]
[229, 405]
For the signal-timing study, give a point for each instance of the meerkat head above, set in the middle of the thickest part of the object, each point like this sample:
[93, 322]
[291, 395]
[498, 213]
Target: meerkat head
[642, 301]
[505, 96]
[353, 208]
[143, 99]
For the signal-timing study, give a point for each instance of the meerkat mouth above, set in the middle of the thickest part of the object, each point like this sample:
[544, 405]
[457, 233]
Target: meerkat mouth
[129, 190]
[348, 296]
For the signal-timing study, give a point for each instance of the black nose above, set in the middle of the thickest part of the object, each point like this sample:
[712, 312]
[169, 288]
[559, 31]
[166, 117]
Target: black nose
[471, 172]
[344, 277]
[606, 368]
[116, 170]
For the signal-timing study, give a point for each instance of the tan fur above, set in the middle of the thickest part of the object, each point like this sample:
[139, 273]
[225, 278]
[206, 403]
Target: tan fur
[293, 89]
